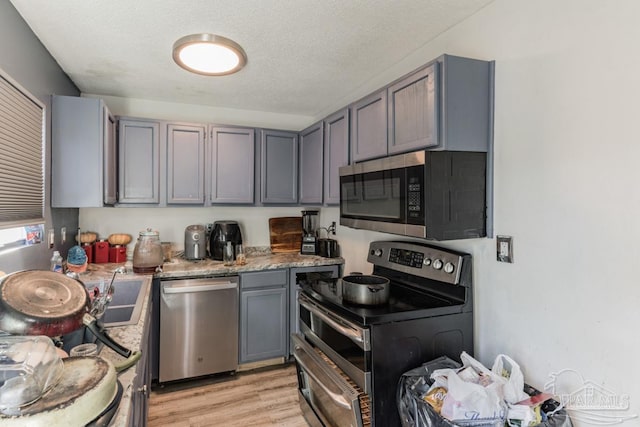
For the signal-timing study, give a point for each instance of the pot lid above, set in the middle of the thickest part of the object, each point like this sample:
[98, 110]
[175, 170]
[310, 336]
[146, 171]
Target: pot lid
[43, 294]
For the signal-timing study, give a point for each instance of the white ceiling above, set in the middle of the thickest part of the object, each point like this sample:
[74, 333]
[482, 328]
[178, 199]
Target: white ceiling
[303, 55]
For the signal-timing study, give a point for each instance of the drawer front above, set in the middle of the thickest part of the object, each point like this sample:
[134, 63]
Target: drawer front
[262, 279]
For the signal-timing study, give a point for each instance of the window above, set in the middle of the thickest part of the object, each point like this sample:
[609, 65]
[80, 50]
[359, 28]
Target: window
[21, 156]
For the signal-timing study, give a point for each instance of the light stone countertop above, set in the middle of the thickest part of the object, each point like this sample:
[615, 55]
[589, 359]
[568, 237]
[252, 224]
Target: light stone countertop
[180, 267]
[131, 336]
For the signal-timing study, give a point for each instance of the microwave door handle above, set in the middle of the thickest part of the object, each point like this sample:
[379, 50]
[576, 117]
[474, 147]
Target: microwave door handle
[351, 333]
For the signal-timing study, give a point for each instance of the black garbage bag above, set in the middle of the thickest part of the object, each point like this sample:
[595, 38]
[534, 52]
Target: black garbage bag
[415, 412]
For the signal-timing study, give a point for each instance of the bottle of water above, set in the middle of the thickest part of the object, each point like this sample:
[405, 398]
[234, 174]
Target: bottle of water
[56, 262]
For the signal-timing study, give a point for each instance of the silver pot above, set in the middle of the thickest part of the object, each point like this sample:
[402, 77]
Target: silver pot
[365, 290]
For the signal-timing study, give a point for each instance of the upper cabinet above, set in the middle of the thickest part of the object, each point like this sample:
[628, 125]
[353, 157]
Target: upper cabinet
[185, 164]
[278, 167]
[311, 165]
[139, 155]
[336, 153]
[369, 127]
[231, 162]
[412, 112]
[445, 105]
[83, 155]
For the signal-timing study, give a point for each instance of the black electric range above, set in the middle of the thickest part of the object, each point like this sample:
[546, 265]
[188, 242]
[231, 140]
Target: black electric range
[429, 314]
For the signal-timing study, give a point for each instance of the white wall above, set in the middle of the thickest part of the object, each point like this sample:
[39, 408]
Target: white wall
[566, 174]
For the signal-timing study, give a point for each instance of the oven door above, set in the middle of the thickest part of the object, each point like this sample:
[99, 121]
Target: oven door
[347, 344]
[326, 398]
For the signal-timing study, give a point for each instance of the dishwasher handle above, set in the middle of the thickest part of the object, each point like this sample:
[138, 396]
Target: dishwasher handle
[213, 286]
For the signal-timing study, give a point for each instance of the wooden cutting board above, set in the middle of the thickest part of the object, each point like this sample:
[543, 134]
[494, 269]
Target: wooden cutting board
[285, 234]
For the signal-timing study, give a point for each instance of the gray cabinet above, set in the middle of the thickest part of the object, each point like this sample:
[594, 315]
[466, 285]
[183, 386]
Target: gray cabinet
[445, 105]
[141, 387]
[311, 164]
[139, 161]
[336, 153]
[185, 164]
[83, 155]
[231, 165]
[412, 111]
[369, 127]
[263, 315]
[278, 167]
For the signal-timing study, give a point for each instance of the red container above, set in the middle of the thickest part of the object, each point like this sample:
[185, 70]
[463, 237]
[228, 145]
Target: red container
[88, 249]
[101, 252]
[118, 253]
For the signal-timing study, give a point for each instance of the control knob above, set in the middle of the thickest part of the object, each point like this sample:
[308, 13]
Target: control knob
[377, 252]
[427, 262]
[448, 268]
[437, 264]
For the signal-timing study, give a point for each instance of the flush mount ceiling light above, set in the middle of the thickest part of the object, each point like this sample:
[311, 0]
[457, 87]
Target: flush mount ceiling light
[209, 54]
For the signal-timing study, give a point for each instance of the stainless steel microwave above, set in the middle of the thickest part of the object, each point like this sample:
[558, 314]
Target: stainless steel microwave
[436, 195]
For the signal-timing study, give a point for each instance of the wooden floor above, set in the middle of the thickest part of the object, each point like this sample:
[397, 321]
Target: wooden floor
[265, 397]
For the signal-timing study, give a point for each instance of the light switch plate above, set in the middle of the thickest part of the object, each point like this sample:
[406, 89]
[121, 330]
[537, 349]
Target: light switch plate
[504, 248]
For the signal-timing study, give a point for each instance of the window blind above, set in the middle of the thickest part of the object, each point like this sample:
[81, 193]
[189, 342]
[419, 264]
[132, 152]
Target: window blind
[21, 156]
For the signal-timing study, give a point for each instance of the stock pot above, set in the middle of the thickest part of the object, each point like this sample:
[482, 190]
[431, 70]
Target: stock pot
[364, 289]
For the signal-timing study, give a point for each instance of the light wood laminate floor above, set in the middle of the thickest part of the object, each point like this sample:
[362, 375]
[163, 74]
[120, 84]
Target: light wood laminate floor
[265, 397]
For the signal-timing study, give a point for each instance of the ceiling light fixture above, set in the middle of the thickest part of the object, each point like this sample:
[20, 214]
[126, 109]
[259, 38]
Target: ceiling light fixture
[209, 54]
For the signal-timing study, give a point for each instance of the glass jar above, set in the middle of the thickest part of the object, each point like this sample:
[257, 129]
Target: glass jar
[227, 254]
[147, 255]
[241, 258]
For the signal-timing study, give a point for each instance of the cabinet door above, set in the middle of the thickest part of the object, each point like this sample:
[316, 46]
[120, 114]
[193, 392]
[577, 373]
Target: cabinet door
[110, 165]
[185, 164]
[336, 153]
[369, 127]
[413, 111]
[311, 164]
[232, 161]
[139, 146]
[79, 150]
[263, 324]
[278, 167]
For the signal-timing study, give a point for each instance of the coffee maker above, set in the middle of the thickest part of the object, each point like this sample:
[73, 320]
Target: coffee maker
[223, 232]
[309, 232]
[195, 242]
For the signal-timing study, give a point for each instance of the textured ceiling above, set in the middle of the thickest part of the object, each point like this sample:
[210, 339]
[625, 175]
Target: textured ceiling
[303, 55]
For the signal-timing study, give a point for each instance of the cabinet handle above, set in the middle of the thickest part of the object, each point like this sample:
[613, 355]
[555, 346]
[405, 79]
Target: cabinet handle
[143, 389]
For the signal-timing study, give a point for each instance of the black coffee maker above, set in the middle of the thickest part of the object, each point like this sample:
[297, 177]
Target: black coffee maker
[223, 232]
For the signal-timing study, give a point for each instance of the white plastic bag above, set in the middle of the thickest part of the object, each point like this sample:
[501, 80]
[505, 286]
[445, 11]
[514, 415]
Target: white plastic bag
[506, 367]
[470, 401]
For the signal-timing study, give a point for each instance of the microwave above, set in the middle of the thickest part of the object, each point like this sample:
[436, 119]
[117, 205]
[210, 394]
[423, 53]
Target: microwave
[439, 195]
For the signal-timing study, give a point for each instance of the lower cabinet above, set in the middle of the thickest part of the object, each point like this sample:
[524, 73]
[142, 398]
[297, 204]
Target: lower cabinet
[141, 387]
[264, 328]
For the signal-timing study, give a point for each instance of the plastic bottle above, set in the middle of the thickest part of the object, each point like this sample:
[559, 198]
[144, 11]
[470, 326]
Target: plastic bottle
[56, 262]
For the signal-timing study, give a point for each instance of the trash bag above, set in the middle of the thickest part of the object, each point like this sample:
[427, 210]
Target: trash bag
[414, 411]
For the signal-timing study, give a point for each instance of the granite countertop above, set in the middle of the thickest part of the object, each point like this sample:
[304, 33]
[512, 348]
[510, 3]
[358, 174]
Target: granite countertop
[178, 267]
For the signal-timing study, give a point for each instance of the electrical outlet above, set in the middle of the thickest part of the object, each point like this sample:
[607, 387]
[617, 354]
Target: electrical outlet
[63, 235]
[504, 248]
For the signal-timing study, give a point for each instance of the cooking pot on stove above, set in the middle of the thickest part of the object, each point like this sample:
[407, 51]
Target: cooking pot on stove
[365, 289]
[35, 302]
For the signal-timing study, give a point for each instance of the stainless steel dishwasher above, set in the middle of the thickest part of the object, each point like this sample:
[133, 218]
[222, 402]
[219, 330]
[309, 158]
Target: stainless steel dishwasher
[198, 327]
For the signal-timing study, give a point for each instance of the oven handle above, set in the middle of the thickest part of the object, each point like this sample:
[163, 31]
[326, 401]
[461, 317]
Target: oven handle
[303, 351]
[338, 399]
[351, 332]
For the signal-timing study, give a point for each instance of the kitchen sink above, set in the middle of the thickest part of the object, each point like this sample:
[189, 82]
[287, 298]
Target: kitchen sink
[126, 305]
